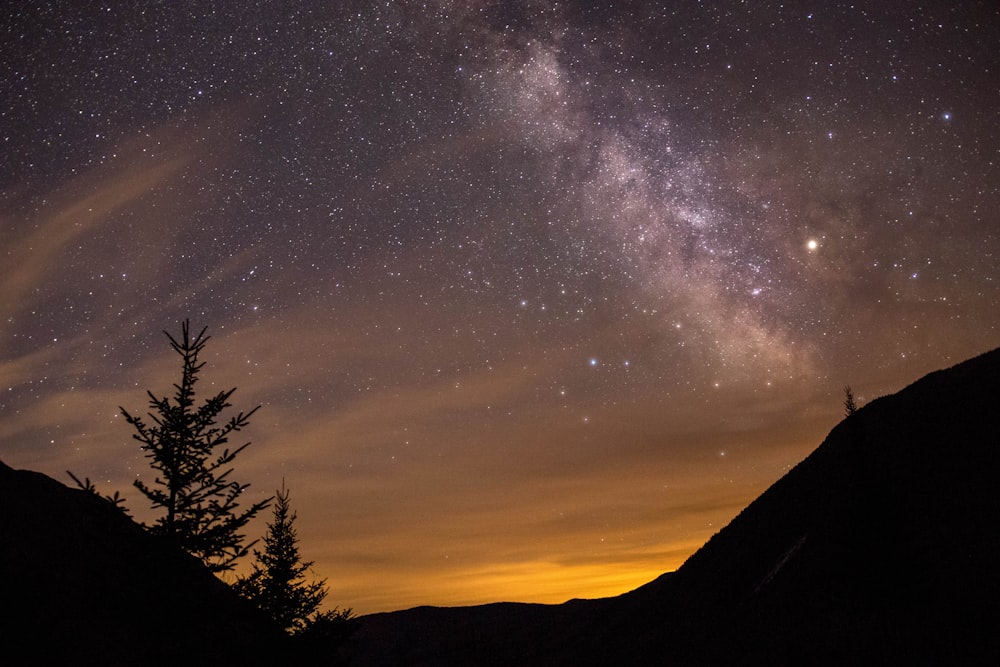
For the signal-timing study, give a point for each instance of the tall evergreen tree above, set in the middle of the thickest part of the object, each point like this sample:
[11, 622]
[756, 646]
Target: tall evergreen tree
[183, 443]
[277, 583]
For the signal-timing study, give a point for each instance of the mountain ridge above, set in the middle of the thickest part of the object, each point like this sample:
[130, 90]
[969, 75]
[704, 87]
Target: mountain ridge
[876, 546]
[84, 584]
[881, 545]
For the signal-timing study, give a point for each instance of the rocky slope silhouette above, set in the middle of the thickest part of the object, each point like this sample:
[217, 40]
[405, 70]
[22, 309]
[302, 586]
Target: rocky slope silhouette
[83, 584]
[881, 546]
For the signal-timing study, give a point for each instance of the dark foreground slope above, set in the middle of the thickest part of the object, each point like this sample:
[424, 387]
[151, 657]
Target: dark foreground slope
[83, 584]
[882, 546]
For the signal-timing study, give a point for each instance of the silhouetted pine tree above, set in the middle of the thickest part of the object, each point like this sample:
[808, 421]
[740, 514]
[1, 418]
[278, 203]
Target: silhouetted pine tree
[277, 583]
[192, 485]
[850, 407]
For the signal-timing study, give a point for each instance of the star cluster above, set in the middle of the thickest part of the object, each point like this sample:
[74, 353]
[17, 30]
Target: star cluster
[535, 295]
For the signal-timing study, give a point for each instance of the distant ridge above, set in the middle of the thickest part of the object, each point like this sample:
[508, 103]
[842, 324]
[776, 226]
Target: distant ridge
[882, 546]
[82, 584]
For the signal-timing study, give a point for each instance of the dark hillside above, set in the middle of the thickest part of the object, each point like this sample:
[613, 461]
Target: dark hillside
[881, 546]
[83, 584]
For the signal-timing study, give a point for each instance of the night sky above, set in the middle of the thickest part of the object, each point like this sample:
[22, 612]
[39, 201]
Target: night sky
[535, 297]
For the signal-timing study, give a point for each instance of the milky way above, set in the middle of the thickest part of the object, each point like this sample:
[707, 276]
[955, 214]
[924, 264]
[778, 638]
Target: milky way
[535, 296]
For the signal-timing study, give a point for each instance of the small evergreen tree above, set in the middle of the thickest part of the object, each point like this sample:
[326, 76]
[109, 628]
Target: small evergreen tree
[850, 407]
[277, 583]
[202, 510]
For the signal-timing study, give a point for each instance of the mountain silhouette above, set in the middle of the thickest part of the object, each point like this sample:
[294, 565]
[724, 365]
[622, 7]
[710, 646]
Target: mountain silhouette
[83, 584]
[883, 545]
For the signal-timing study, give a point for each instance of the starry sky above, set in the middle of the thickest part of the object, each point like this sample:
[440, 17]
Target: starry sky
[535, 296]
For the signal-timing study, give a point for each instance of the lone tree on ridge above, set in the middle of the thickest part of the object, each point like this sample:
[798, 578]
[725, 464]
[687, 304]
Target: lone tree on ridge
[850, 406]
[186, 445]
